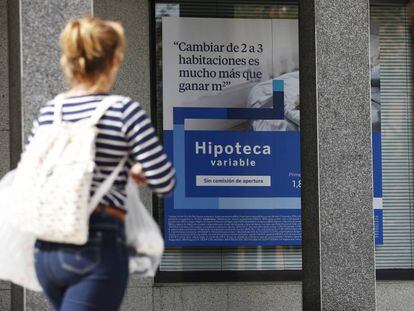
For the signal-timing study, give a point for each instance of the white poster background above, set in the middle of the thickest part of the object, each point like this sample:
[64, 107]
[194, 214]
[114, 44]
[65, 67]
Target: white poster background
[251, 32]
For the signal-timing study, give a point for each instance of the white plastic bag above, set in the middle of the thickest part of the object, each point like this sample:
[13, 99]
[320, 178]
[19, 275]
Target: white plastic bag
[144, 237]
[17, 247]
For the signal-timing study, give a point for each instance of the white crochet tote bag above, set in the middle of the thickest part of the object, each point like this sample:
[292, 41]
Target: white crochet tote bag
[51, 188]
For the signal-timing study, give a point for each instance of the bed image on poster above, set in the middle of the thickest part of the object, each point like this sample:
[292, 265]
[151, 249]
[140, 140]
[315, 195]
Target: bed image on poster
[231, 126]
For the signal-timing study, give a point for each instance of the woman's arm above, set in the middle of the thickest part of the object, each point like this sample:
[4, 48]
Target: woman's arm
[146, 149]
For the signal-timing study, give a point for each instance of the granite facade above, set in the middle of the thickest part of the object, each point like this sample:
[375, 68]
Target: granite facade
[4, 152]
[37, 301]
[4, 92]
[41, 24]
[5, 301]
[283, 296]
[337, 138]
[395, 296]
[4, 123]
[338, 28]
[4, 69]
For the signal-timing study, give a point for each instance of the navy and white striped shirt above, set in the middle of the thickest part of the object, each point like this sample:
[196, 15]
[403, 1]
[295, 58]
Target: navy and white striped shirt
[124, 130]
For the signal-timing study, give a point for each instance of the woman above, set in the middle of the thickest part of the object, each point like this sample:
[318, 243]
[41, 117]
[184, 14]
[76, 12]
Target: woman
[94, 276]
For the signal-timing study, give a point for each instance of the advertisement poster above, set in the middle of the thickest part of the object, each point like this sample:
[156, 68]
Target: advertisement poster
[231, 116]
[376, 130]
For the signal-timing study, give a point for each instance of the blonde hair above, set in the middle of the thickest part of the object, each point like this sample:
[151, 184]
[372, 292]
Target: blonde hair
[90, 48]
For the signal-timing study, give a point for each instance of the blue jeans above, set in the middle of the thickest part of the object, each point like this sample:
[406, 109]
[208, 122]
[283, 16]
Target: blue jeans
[93, 276]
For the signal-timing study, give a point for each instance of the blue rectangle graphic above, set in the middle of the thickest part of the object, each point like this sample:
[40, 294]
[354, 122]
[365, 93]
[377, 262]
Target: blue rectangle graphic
[242, 164]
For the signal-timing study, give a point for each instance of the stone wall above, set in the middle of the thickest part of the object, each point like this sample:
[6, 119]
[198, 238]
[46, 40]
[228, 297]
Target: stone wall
[4, 124]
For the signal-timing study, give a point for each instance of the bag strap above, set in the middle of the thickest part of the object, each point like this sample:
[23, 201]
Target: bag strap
[102, 107]
[106, 186]
[103, 189]
[58, 104]
[100, 110]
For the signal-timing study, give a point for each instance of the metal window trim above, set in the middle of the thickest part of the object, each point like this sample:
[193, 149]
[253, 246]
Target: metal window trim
[164, 277]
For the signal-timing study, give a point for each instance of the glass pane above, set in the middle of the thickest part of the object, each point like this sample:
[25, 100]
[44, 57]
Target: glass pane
[390, 51]
[232, 258]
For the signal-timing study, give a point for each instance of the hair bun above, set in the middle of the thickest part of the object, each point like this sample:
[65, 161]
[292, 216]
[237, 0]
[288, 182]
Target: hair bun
[90, 46]
[82, 64]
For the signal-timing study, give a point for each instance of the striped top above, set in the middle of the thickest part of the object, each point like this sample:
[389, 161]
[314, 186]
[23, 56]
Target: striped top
[123, 131]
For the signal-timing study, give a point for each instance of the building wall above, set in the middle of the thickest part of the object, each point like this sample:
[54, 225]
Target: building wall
[41, 24]
[134, 81]
[4, 124]
[282, 296]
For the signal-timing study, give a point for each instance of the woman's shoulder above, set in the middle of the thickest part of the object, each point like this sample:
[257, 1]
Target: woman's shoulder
[126, 103]
[121, 103]
[47, 108]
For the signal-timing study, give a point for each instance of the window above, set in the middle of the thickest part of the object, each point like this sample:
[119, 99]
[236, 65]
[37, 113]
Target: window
[392, 121]
[390, 48]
